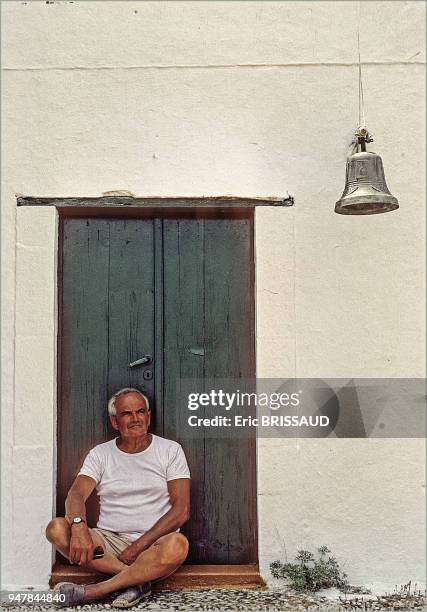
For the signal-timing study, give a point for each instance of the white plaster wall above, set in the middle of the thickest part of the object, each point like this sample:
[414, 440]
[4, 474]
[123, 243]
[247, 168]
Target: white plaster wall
[249, 99]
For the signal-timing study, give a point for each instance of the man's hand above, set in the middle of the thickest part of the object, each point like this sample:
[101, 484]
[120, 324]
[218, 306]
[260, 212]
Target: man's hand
[81, 544]
[129, 554]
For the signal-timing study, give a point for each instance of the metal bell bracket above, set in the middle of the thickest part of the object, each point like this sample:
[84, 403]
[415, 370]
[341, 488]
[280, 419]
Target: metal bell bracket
[363, 137]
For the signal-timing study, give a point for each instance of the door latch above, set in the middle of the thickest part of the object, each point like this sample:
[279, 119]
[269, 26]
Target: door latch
[142, 361]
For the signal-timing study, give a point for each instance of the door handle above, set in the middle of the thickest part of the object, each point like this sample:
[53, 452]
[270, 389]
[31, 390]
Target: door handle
[144, 359]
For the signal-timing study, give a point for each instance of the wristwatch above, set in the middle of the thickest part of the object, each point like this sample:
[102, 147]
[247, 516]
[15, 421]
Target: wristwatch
[77, 520]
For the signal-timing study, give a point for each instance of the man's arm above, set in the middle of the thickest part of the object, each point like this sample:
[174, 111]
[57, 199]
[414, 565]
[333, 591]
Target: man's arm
[81, 545]
[179, 493]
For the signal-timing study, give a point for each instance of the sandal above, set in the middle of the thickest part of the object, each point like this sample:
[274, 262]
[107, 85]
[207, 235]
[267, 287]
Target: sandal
[70, 594]
[133, 595]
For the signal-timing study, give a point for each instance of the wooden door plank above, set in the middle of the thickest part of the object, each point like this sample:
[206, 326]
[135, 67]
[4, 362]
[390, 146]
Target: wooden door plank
[131, 304]
[229, 334]
[84, 345]
[159, 386]
[183, 336]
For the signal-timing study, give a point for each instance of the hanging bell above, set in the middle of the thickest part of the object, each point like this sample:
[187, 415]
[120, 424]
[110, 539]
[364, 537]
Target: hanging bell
[365, 191]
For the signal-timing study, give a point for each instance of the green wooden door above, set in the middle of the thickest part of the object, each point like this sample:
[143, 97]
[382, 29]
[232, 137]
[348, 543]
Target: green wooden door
[179, 289]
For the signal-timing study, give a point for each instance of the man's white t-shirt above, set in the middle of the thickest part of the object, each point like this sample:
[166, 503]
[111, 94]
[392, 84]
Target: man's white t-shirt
[133, 488]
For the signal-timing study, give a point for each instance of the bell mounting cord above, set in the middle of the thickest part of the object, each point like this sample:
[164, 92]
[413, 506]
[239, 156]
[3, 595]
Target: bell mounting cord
[362, 119]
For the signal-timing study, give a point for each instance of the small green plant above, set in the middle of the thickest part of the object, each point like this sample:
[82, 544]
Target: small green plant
[311, 574]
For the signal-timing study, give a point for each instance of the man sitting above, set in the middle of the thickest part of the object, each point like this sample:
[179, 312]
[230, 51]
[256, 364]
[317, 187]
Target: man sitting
[144, 489]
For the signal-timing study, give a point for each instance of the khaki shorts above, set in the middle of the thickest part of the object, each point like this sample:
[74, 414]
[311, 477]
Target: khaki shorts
[113, 542]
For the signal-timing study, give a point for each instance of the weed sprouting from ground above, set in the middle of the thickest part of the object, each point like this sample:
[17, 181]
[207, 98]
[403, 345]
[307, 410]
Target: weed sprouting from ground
[404, 598]
[309, 573]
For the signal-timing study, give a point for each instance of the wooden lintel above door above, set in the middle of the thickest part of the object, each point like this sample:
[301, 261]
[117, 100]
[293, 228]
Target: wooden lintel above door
[124, 202]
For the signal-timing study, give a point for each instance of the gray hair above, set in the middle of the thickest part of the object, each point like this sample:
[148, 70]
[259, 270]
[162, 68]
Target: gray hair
[112, 401]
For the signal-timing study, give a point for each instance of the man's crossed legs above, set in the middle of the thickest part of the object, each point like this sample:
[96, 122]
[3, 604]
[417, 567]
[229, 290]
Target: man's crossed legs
[159, 560]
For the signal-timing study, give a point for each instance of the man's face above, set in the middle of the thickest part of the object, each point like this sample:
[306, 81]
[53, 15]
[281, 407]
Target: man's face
[132, 417]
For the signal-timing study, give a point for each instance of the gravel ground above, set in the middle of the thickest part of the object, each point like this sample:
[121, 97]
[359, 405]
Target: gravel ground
[238, 600]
